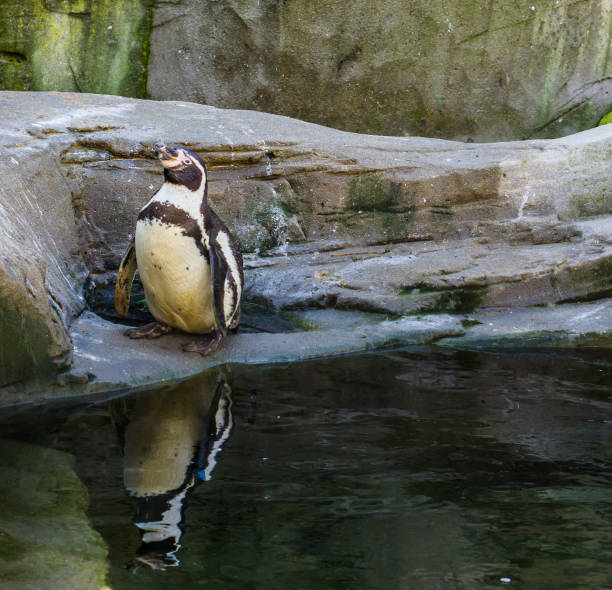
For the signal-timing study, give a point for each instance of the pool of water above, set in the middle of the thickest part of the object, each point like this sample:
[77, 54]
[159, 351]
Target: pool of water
[402, 469]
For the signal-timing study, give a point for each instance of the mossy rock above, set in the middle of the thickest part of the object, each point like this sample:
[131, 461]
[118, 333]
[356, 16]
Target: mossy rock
[256, 213]
[46, 541]
[372, 193]
[460, 300]
[398, 67]
[99, 46]
[605, 119]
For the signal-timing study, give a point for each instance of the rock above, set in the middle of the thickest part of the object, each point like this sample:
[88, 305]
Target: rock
[41, 272]
[479, 70]
[560, 326]
[69, 45]
[454, 275]
[47, 541]
[101, 349]
[327, 219]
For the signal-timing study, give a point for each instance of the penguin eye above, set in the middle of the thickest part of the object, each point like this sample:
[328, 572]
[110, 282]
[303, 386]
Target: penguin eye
[187, 161]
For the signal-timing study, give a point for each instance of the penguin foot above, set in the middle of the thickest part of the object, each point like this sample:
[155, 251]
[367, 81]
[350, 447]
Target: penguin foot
[206, 345]
[152, 330]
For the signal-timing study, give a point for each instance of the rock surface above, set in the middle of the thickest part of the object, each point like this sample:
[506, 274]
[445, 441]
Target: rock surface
[107, 361]
[576, 325]
[480, 69]
[75, 45]
[41, 272]
[487, 70]
[326, 218]
[47, 541]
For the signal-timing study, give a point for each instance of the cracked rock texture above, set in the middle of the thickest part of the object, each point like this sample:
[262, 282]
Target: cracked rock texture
[486, 70]
[326, 218]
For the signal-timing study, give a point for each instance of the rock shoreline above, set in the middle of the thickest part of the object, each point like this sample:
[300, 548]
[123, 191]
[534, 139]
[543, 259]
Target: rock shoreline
[412, 229]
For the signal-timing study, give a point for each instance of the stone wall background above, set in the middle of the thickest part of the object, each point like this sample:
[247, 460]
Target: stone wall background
[481, 70]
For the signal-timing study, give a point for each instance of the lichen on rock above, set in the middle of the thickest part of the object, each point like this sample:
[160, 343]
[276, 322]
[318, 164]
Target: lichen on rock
[97, 46]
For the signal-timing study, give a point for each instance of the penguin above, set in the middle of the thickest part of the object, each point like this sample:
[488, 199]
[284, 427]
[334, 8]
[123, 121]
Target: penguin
[189, 263]
[170, 440]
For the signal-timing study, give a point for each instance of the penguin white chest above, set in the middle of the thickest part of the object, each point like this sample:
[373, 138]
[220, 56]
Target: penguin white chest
[176, 276]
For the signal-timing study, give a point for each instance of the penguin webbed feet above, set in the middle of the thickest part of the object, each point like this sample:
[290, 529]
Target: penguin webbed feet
[206, 345]
[150, 331]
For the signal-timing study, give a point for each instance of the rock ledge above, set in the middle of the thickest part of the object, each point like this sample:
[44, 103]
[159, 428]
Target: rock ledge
[439, 234]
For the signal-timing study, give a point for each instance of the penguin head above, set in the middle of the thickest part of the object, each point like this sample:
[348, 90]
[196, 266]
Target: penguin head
[181, 166]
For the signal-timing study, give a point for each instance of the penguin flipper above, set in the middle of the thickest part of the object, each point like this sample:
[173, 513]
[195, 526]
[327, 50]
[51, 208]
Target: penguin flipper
[125, 277]
[226, 273]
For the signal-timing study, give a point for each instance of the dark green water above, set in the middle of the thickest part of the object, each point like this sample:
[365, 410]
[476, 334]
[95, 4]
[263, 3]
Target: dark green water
[397, 470]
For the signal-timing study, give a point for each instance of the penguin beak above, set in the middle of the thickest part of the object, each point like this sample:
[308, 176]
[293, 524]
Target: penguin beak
[164, 153]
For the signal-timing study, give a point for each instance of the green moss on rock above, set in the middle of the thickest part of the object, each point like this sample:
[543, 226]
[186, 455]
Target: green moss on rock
[371, 193]
[460, 300]
[605, 119]
[596, 277]
[46, 541]
[263, 222]
[14, 71]
[25, 339]
[596, 203]
[98, 46]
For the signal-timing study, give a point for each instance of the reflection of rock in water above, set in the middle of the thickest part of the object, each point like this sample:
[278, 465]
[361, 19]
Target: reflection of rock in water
[170, 440]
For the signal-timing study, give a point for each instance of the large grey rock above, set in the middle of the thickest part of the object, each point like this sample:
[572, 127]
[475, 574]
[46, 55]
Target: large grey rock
[115, 362]
[326, 218]
[451, 275]
[41, 273]
[481, 69]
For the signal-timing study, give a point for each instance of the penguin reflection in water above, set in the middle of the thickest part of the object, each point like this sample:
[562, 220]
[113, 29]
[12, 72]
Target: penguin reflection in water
[189, 264]
[170, 441]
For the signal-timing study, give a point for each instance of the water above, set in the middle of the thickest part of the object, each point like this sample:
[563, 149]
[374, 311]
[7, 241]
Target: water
[396, 470]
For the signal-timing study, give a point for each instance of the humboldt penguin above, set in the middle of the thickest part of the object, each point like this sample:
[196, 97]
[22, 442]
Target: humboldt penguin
[171, 440]
[189, 264]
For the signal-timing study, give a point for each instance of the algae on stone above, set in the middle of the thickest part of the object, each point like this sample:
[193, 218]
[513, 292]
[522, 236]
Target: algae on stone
[258, 218]
[98, 46]
[46, 541]
[606, 119]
